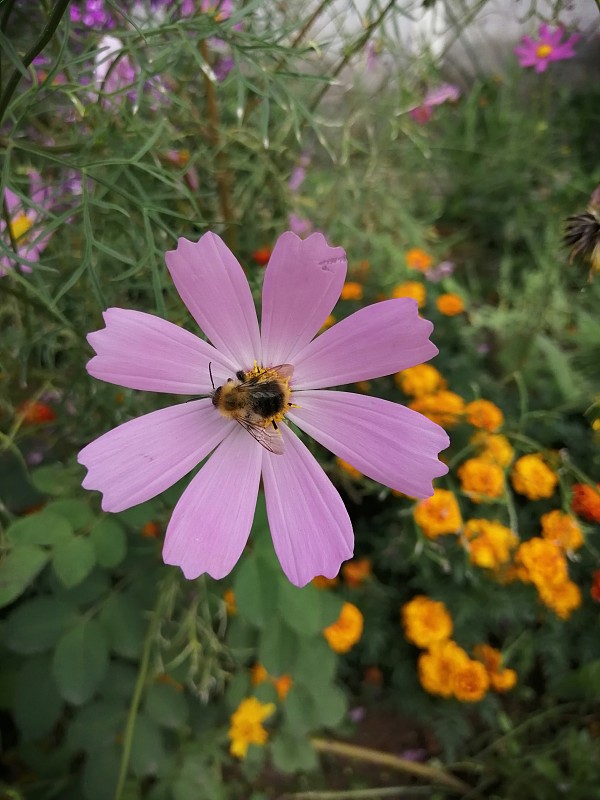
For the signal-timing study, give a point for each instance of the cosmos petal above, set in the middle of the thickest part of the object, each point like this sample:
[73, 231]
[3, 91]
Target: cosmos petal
[213, 286]
[378, 340]
[211, 522]
[311, 529]
[141, 351]
[144, 456]
[385, 441]
[303, 281]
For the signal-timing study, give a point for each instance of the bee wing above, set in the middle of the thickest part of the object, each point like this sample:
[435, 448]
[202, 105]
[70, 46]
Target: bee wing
[284, 370]
[269, 438]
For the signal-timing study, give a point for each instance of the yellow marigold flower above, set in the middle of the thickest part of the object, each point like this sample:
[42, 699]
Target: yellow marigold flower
[258, 675]
[282, 686]
[331, 320]
[445, 408]
[562, 598]
[411, 289]
[494, 448]
[470, 682]
[246, 725]
[420, 380]
[484, 414]
[450, 304]
[489, 543]
[363, 386]
[426, 621]
[351, 290]
[345, 632]
[357, 571]
[418, 259]
[348, 469]
[504, 680]
[543, 561]
[321, 582]
[481, 480]
[437, 666]
[501, 680]
[230, 604]
[563, 529]
[438, 514]
[532, 477]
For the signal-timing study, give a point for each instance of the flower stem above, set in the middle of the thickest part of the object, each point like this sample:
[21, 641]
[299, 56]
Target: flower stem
[433, 774]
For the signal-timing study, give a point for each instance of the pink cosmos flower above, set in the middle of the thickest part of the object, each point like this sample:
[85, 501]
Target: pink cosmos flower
[539, 53]
[445, 93]
[310, 526]
[23, 220]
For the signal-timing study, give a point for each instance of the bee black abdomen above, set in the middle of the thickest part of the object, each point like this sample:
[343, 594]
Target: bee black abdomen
[269, 401]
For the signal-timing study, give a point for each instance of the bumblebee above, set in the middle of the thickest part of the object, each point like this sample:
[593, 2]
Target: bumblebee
[258, 400]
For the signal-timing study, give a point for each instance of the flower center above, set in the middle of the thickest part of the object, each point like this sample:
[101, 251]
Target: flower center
[19, 226]
[543, 51]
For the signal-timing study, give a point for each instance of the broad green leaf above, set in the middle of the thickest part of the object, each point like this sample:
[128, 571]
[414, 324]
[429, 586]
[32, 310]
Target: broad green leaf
[44, 527]
[306, 711]
[255, 588]
[78, 512]
[316, 665]
[80, 661]
[36, 625]
[119, 682]
[100, 774]
[198, 780]
[57, 479]
[278, 648]
[331, 606]
[140, 515]
[293, 753]
[37, 703]
[110, 542]
[167, 705]
[122, 619]
[238, 688]
[96, 725]
[88, 591]
[73, 560]
[301, 608]
[18, 570]
[147, 747]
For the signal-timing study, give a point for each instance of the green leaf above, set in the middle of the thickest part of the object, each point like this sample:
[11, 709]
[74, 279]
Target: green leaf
[100, 774]
[88, 591]
[57, 479]
[96, 726]
[167, 705]
[36, 625]
[110, 542]
[73, 560]
[278, 648]
[306, 711]
[331, 607]
[45, 527]
[122, 619]
[147, 747]
[316, 665]
[18, 570]
[198, 780]
[37, 703]
[301, 608]
[77, 512]
[80, 661]
[293, 754]
[255, 588]
[138, 516]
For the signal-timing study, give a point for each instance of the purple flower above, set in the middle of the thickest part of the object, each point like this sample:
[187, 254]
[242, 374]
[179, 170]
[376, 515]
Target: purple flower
[299, 225]
[446, 93]
[299, 173]
[92, 14]
[23, 220]
[310, 526]
[443, 270]
[113, 72]
[539, 53]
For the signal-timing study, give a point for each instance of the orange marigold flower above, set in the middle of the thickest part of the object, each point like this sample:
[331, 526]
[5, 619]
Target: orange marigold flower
[543, 561]
[35, 413]
[450, 304]
[494, 447]
[418, 259]
[470, 682]
[348, 469]
[261, 256]
[411, 289]
[484, 414]
[437, 667]
[438, 514]
[331, 320]
[246, 725]
[489, 543]
[532, 477]
[481, 480]
[595, 587]
[351, 290]
[562, 598]
[151, 530]
[258, 674]
[445, 408]
[426, 621]
[420, 380]
[373, 675]
[357, 571]
[321, 582]
[563, 529]
[363, 386]
[230, 604]
[501, 680]
[586, 501]
[282, 685]
[345, 632]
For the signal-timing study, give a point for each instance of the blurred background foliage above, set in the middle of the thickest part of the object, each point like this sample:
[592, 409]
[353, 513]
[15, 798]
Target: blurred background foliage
[125, 126]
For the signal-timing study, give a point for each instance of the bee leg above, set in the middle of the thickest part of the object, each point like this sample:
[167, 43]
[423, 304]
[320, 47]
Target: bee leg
[275, 425]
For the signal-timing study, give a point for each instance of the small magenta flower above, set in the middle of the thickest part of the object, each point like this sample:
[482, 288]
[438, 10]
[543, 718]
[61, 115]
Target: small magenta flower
[310, 526]
[445, 93]
[23, 231]
[539, 53]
